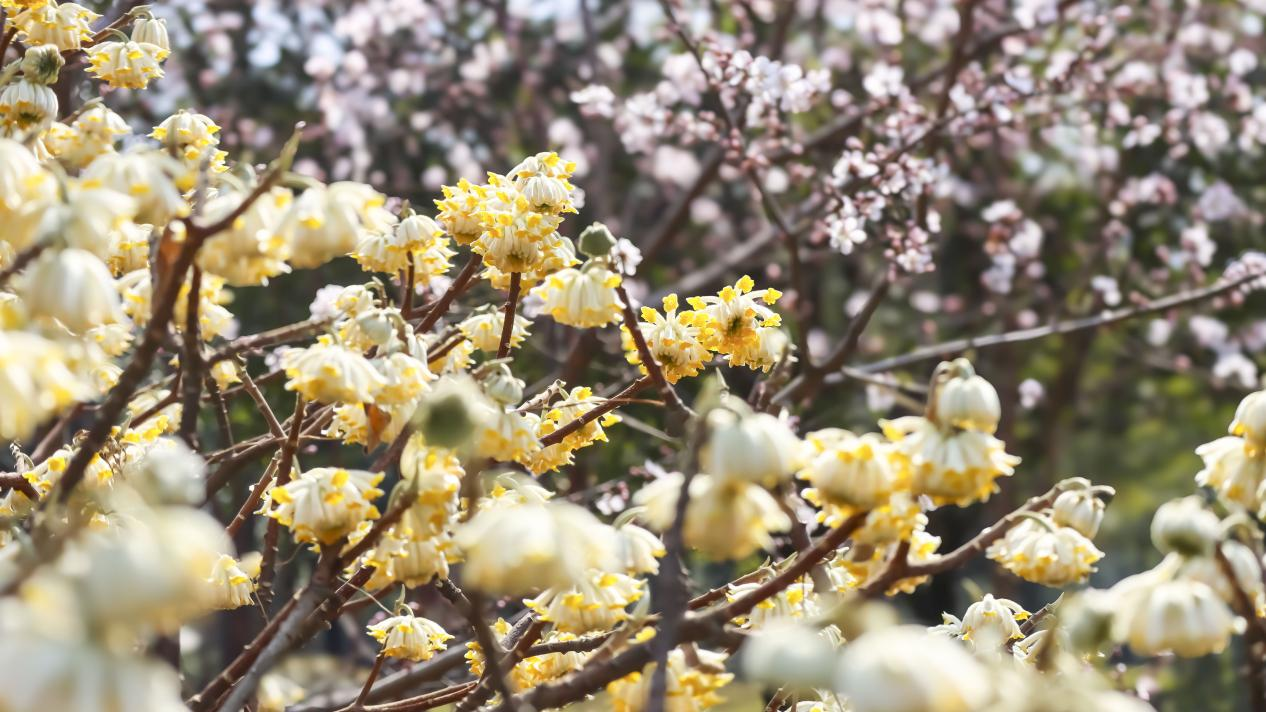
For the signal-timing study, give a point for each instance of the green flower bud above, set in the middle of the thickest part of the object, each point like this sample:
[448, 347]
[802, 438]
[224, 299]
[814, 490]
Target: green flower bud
[42, 63]
[596, 241]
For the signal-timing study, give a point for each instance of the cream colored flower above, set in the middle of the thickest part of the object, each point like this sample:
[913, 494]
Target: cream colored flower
[73, 287]
[149, 176]
[459, 209]
[276, 693]
[597, 602]
[736, 315]
[583, 298]
[793, 602]
[129, 249]
[767, 350]
[404, 378]
[951, 466]
[1234, 468]
[749, 447]
[329, 221]
[724, 520]
[409, 637]
[852, 471]
[126, 65]
[510, 437]
[26, 190]
[64, 24]
[690, 687]
[90, 216]
[257, 244]
[47, 673]
[1185, 526]
[416, 238]
[1178, 616]
[991, 622]
[324, 504]
[518, 549]
[640, 550]
[192, 137]
[906, 669]
[515, 237]
[229, 586]
[1250, 419]
[27, 107]
[327, 372]
[1079, 509]
[151, 30]
[483, 330]
[1246, 570]
[965, 400]
[542, 180]
[673, 339]
[1040, 551]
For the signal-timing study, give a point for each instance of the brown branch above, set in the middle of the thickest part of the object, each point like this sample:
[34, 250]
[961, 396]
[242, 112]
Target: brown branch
[252, 501]
[191, 362]
[252, 389]
[600, 410]
[803, 385]
[803, 563]
[23, 258]
[267, 567]
[507, 326]
[15, 481]
[899, 567]
[458, 285]
[431, 700]
[272, 337]
[1254, 636]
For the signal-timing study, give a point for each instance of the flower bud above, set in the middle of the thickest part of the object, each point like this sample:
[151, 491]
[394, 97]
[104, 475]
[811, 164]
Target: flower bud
[596, 241]
[1184, 526]
[377, 326]
[1250, 419]
[787, 653]
[1088, 619]
[906, 669]
[74, 287]
[991, 622]
[503, 387]
[749, 447]
[153, 31]
[966, 400]
[1079, 509]
[452, 412]
[42, 63]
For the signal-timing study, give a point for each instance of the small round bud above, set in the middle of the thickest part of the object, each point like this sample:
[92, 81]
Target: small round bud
[503, 387]
[1088, 617]
[42, 63]
[452, 413]
[596, 241]
[1184, 526]
[788, 653]
[966, 400]
[377, 326]
[1079, 509]
[153, 31]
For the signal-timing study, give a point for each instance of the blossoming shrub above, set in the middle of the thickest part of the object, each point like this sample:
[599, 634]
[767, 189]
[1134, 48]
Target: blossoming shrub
[418, 458]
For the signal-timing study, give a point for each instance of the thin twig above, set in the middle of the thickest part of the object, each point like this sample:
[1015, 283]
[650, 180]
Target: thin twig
[1107, 318]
